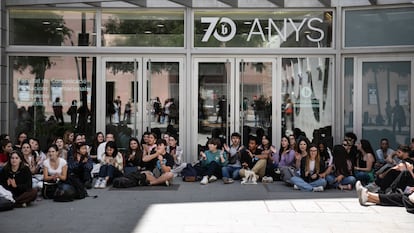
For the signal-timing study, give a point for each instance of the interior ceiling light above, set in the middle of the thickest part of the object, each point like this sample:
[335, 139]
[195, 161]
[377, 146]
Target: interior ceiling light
[160, 25]
[46, 23]
[147, 32]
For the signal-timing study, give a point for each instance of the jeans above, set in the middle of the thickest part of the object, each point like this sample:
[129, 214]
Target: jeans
[303, 185]
[345, 181]
[110, 171]
[234, 171]
[211, 169]
[363, 177]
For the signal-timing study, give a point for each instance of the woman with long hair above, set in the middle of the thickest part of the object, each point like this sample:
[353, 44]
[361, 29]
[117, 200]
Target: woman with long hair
[112, 165]
[17, 178]
[133, 156]
[364, 167]
[311, 168]
[342, 176]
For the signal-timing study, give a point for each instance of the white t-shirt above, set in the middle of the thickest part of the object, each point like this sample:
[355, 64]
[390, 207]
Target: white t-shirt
[58, 170]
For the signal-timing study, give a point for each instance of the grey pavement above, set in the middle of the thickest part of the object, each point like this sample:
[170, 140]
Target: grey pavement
[215, 207]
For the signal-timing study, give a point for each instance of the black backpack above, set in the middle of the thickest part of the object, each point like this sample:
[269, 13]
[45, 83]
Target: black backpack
[189, 173]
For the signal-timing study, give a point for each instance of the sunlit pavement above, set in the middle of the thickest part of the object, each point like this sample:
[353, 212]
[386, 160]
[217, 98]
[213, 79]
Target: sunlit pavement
[191, 207]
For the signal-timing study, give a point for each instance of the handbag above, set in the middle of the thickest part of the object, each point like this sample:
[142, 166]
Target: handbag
[49, 189]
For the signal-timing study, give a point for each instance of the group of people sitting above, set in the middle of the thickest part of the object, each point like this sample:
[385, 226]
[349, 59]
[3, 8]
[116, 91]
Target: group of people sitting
[382, 177]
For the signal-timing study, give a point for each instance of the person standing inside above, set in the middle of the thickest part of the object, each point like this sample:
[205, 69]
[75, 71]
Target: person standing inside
[73, 113]
[58, 110]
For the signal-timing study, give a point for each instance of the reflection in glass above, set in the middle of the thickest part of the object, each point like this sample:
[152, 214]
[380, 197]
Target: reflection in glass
[386, 101]
[256, 98]
[349, 95]
[213, 104]
[163, 105]
[144, 28]
[50, 95]
[52, 28]
[307, 96]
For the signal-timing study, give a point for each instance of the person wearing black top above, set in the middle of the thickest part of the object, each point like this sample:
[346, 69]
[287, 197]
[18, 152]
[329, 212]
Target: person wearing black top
[164, 162]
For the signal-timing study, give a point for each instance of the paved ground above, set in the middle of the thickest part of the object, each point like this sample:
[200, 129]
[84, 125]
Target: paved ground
[191, 207]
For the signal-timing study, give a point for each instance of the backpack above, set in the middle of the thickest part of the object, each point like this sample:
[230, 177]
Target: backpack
[123, 182]
[6, 204]
[64, 193]
[189, 173]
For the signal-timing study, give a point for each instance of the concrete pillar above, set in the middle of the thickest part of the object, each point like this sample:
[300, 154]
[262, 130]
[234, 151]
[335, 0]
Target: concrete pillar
[3, 79]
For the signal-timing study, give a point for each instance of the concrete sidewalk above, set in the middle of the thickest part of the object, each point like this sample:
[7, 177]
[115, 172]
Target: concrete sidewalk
[209, 208]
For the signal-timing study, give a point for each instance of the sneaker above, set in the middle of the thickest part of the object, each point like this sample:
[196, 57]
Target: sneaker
[98, 183]
[267, 179]
[318, 189]
[212, 178]
[204, 180]
[358, 186]
[103, 184]
[167, 183]
[411, 197]
[295, 187]
[227, 180]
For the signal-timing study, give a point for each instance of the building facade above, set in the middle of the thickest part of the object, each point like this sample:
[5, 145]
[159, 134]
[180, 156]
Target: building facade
[204, 68]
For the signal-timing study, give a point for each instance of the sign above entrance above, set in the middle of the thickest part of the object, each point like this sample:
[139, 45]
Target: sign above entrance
[263, 29]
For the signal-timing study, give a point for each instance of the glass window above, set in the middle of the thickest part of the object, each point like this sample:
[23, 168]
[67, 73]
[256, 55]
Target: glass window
[143, 28]
[349, 95]
[307, 96]
[379, 27]
[265, 29]
[52, 28]
[386, 96]
[50, 95]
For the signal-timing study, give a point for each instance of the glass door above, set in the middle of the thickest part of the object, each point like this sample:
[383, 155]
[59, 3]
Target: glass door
[234, 95]
[122, 99]
[385, 90]
[162, 96]
[255, 97]
[214, 98]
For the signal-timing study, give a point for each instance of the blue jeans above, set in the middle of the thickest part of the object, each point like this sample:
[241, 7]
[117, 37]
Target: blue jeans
[110, 171]
[303, 185]
[363, 177]
[345, 181]
[234, 171]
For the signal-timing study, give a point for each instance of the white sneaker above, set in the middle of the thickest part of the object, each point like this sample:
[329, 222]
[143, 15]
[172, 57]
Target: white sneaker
[204, 180]
[372, 187]
[295, 187]
[267, 179]
[411, 197]
[98, 183]
[103, 184]
[358, 186]
[212, 178]
[318, 189]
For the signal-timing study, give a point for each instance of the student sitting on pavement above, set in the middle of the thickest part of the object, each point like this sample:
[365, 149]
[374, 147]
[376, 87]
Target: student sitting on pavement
[211, 161]
[112, 165]
[253, 159]
[364, 167]
[284, 160]
[176, 151]
[342, 176]
[231, 171]
[164, 162]
[383, 154]
[312, 168]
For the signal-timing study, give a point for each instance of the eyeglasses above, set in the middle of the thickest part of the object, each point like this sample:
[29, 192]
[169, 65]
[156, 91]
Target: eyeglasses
[345, 145]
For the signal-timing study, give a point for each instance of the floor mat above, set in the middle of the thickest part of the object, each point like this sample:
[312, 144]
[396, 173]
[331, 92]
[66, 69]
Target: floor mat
[173, 187]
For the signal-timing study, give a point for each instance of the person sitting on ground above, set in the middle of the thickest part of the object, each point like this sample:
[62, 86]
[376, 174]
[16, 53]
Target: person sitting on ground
[6, 146]
[284, 160]
[176, 152]
[17, 178]
[387, 178]
[405, 199]
[162, 173]
[98, 139]
[342, 176]
[54, 167]
[383, 154]
[38, 154]
[80, 165]
[301, 151]
[62, 152]
[112, 165]
[211, 161]
[149, 149]
[133, 157]
[312, 168]
[253, 159]
[364, 167]
[230, 172]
